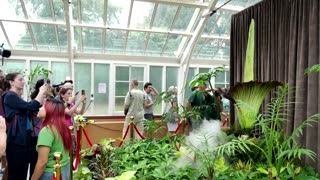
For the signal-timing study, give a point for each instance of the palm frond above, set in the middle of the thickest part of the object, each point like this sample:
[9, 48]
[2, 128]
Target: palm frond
[312, 69]
[297, 153]
[202, 78]
[299, 130]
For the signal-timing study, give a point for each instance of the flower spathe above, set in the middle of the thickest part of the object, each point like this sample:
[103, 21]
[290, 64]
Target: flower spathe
[248, 97]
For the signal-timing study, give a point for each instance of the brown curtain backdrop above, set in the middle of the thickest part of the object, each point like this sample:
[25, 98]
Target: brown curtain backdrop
[287, 39]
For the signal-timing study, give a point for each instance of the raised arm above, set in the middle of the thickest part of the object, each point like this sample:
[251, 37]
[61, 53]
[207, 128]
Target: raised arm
[154, 91]
[75, 109]
[14, 101]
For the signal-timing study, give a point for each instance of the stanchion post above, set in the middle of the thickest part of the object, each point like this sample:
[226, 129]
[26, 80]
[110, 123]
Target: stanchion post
[80, 134]
[131, 128]
[71, 128]
[57, 156]
[183, 125]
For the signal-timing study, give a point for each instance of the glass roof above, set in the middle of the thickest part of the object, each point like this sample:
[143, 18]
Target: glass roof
[127, 27]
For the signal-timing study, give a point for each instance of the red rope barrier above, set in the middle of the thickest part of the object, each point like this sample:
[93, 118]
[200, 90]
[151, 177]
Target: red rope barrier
[224, 122]
[135, 128]
[77, 151]
[87, 137]
[124, 136]
[175, 132]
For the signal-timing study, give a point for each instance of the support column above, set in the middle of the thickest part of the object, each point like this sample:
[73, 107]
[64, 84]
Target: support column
[70, 36]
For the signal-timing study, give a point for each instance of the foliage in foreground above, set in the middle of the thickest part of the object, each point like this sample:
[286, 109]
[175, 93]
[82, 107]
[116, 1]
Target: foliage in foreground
[280, 152]
[151, 159]
[96, 161]
[276, 156]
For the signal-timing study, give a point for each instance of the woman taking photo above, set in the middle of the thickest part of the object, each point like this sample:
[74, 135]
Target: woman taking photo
[55, 136]
[71, 108]
[20, 140]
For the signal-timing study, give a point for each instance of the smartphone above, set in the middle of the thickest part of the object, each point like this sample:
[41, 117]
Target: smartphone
[45, 81]
[76, 93]
[83, 92]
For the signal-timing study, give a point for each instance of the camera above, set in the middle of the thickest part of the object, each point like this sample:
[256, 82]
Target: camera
[4, 53]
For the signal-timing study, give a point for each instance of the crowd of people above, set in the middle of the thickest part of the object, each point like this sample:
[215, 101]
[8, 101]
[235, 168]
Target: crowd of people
[30, 132]
[208, 105]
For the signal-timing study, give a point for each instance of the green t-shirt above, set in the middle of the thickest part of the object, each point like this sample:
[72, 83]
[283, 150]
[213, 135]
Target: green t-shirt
[54, 141]
[209, 107]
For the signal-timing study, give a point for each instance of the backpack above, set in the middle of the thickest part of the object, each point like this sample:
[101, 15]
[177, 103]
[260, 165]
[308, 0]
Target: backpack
[3, 114]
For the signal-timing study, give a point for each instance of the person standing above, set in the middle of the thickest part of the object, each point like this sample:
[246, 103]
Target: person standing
[170, 110]
[20, 142]
[133, 106]
[151, 92]
[72, 109]
[54, 137]
[206, 105]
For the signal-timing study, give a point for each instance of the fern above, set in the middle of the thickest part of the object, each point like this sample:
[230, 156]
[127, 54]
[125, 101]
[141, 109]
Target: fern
[312, 69]
[275, 146]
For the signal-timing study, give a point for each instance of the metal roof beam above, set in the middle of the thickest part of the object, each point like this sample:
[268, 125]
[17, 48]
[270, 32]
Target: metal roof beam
[28, 24]
[104, 31]
[99, 27]
[232, 8]
[191, 25]
[70, 35]
[33, 21]
[80, 22]
[212, 30]
[132, 29]
[227, 38]
[128, 24]
[177, 2]
[55, 27]
[150, 25]
[6, 35]
[171, 27]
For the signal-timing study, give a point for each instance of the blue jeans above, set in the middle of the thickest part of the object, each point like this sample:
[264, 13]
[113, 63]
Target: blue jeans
[65, 174]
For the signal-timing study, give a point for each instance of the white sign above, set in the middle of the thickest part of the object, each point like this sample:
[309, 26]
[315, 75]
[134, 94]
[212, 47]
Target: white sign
[102, 88]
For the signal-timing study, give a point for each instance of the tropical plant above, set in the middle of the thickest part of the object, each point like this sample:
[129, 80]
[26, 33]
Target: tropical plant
[129, 175]
[312, 69]
[35, 74]
[248, 97]
[180, 112]
[206, 157]
[279, 150]
[151, 158]
[153, 127]
[202, 78]
[97, 161]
